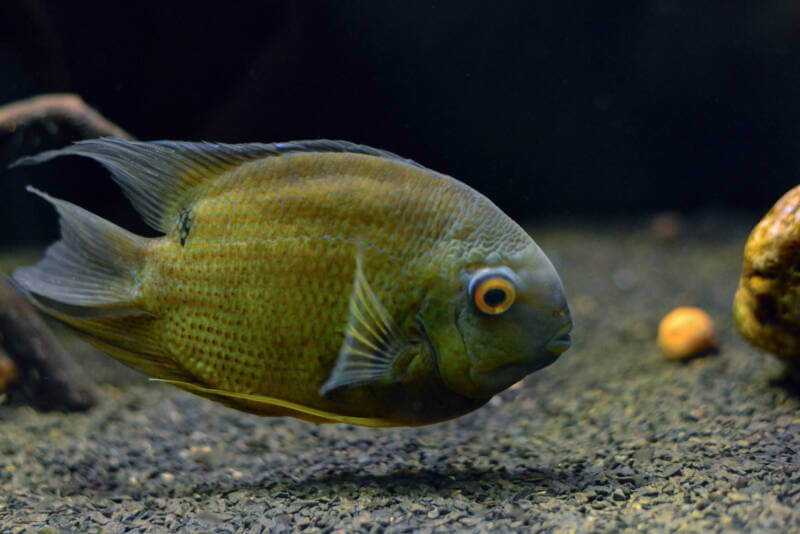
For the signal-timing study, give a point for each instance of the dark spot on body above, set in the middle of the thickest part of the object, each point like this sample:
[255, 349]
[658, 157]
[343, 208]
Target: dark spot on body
[185, 220]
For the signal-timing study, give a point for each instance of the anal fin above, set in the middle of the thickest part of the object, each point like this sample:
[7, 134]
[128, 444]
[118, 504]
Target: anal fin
[153, 365]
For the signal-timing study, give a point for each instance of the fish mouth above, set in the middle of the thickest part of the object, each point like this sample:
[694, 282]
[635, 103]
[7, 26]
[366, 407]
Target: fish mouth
[561, 340]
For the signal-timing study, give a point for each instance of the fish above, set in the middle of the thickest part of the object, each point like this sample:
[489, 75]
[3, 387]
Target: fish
[322, 280]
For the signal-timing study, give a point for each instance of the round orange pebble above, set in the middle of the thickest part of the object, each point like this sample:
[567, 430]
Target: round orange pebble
[8, 372]
[685, 332]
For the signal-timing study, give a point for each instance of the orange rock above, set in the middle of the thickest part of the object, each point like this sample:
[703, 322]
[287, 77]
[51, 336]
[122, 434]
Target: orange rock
[8, 372]
[685, 332]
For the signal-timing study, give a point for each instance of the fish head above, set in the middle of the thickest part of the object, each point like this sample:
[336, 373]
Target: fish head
[509, 317]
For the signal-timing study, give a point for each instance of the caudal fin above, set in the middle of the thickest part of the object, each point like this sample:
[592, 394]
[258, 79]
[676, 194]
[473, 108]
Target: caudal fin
[92, 268]
[88, 281]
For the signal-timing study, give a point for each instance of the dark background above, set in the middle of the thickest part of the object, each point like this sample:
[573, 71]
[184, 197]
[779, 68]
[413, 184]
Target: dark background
[553, 109]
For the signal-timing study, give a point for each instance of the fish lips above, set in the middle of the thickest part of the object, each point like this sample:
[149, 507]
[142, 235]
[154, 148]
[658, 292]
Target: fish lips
[560, 341]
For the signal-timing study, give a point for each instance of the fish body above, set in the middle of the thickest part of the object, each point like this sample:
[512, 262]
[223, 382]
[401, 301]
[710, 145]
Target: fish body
[321, 280]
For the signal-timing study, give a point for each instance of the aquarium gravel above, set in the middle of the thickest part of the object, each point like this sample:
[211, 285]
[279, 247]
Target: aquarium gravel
[612, 437]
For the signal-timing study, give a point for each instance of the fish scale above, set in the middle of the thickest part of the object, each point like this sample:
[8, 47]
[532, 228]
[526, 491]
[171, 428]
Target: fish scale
[321, 280]
[290, 271]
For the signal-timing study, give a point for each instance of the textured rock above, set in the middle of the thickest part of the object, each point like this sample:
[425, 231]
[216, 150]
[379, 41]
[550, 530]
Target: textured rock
[767, 303]
[46, 371]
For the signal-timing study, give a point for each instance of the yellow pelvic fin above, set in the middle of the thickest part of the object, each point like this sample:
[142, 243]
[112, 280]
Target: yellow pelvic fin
[284, 408]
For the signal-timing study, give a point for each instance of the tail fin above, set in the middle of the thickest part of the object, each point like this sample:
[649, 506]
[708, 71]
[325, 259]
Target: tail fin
[93, 267]
[88, 281]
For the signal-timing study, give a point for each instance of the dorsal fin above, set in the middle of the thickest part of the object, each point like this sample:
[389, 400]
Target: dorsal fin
[158, 176]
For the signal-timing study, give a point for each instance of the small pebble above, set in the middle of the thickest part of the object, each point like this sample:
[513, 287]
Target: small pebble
[8, 373]
[686, 332]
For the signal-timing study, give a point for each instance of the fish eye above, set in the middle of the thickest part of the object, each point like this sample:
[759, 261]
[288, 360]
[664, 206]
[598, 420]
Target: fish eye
[492, 293]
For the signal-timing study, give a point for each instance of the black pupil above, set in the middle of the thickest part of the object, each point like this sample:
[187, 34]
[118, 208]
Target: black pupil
[494, 297]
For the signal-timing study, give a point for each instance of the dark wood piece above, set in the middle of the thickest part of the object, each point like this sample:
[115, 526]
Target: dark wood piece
[65, 108]
[47, 373]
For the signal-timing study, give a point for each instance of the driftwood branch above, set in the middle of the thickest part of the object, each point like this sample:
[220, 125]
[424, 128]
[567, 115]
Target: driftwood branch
[46, 372]
[66, 108]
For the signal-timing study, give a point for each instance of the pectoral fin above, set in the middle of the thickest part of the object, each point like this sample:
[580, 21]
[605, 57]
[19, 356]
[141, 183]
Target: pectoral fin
[372, 342]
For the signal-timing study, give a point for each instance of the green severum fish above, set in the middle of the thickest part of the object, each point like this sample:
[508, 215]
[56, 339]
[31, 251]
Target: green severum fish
[321, 280]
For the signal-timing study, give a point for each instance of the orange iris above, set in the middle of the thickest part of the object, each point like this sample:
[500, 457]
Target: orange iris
[494, 295]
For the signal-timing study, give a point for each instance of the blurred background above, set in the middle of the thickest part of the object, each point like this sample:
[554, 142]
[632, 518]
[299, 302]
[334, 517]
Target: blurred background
[555, 110]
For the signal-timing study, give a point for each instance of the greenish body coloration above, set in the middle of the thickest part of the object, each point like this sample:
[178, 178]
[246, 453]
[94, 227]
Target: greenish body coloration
[321, 280]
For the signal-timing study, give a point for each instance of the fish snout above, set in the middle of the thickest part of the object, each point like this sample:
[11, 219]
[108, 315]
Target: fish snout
[561, 340]
[547, 316]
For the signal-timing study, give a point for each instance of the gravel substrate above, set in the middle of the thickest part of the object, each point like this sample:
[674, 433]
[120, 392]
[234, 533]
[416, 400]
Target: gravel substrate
[612, 437]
